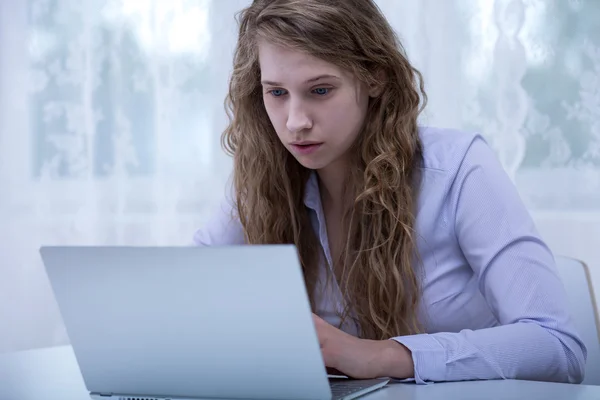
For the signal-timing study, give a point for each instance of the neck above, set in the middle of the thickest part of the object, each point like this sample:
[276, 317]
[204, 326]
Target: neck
[331, 184]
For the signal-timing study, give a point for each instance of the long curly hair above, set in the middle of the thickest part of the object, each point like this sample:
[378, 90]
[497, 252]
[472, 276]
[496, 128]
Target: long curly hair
[378, 277]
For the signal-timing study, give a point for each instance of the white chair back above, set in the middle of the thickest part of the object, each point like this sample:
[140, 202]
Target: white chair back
[582, 302]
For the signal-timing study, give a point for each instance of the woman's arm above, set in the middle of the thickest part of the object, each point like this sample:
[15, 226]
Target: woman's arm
[517, 276]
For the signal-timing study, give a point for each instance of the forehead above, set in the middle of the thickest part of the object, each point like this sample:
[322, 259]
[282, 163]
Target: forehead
[285, 65]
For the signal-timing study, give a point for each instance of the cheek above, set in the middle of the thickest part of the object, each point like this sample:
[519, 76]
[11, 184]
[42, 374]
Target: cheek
[274, 112]
[346, 121]
[276, 117]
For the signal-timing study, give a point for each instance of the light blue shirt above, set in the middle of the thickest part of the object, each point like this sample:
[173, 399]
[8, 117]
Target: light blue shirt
[492, 303]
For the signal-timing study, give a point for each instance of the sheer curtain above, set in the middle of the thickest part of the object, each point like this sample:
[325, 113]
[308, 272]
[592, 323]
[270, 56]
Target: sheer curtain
[111, 111]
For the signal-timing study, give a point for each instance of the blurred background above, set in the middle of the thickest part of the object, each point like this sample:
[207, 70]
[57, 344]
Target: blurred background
[111, 112]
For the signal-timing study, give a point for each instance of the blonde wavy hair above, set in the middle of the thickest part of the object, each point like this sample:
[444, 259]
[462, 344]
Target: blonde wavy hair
[377, 278]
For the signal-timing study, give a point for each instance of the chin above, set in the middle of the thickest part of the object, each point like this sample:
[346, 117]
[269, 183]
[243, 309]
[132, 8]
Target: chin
[311, 163]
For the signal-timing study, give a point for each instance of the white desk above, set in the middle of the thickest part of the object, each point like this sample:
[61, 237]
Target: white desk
[53, 374]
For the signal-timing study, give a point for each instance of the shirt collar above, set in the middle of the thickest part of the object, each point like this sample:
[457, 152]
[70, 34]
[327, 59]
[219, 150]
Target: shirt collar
[312, 196]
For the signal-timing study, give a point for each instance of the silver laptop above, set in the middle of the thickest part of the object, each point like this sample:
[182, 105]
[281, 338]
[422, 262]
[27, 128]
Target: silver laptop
[190, 323]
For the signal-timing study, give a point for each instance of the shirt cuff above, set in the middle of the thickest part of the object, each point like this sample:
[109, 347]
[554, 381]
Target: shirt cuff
[428, 355]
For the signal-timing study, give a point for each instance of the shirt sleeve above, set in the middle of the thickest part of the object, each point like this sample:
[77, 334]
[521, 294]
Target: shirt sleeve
[516, 272]
[223, 227]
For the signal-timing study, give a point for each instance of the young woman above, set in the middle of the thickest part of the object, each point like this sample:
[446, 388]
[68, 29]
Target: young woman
[420, 258]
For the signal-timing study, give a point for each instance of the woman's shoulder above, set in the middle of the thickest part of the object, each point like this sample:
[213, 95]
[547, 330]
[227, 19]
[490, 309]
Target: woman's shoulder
[445, 149]
[222, 225]
[456, 163]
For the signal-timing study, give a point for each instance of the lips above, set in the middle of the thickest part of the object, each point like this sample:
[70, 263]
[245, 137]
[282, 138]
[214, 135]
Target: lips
[306, 147]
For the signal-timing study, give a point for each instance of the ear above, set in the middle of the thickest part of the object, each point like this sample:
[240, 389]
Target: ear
[376, 88]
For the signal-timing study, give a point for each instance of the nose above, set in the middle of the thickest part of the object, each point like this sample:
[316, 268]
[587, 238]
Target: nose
[298, 117]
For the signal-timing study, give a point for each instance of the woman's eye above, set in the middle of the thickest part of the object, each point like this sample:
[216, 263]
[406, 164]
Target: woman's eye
[277, 92]
[321, 91]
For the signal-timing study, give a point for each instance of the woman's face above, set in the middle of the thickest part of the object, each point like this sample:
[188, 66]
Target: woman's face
[316, 108]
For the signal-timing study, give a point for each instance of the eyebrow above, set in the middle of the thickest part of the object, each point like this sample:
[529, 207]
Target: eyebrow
[311, 80]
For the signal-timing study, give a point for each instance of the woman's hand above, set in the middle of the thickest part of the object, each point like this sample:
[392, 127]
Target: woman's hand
[362, 358]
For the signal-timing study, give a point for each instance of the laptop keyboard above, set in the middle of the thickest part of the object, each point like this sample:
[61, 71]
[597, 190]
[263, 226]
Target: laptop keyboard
[345, 387]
